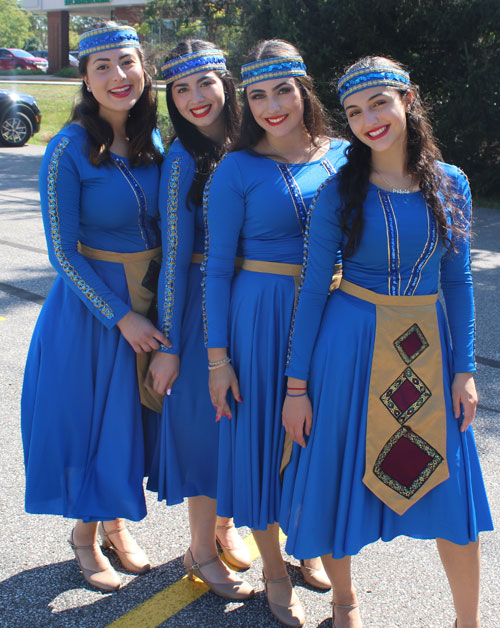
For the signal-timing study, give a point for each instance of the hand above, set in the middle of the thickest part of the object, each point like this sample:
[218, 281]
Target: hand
[297, 418]
[140, 333]
[220, 380]
[464, 396]
[164, 369]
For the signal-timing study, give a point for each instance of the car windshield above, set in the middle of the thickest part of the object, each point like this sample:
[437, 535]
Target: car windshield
[21, 53]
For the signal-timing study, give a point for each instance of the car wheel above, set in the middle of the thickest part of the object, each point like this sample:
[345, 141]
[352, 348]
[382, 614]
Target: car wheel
[15, 129]
[19, 67]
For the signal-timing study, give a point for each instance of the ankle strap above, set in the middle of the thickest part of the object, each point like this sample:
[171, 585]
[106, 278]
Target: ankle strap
[275, 580]
[349, 606]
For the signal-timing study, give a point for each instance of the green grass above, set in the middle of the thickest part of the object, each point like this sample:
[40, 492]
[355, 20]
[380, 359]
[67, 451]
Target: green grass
[56, 101]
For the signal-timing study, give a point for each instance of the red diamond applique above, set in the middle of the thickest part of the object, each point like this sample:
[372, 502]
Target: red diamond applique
[411, 344]
[406, 462]
[405, 396]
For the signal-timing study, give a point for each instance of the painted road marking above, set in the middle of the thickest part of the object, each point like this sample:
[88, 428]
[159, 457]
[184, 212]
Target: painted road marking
[166, 603]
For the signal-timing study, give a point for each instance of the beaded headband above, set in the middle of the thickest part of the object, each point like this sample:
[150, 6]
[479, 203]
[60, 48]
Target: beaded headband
[278, 67]
[107, 38]
[364, 78]
[193, 62]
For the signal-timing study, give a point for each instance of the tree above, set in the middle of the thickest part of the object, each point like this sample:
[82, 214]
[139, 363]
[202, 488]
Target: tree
[15, 25]
[450, 46]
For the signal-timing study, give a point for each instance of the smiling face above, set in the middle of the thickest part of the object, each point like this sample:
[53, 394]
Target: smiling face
[277, 106]
[200, 99]
[377, 117]
[116, 79]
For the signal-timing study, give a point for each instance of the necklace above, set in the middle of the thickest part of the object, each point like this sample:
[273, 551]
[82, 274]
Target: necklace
[393, 189]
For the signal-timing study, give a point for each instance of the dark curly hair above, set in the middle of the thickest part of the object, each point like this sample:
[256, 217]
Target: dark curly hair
[206, 152]
[316, 119]
[423, 155]
[139, 127]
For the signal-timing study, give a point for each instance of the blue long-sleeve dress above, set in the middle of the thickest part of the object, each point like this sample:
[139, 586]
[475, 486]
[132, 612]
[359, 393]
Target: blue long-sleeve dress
[81, 416]
[326, 508]
[256, 209]
[184, 462]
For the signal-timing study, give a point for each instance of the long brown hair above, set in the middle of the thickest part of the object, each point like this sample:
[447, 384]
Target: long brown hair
[315, 116]
[423, 155]
[139, 127]
[206, 152]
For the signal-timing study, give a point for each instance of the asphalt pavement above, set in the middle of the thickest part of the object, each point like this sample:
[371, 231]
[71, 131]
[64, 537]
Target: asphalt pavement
[401, 584]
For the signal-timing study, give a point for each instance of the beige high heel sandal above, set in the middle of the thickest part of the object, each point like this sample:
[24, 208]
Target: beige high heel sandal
[238, 590]
[293, 615]
[237, 556]
[316, 578]
[346, 608]
[136, 562]
[102, 579]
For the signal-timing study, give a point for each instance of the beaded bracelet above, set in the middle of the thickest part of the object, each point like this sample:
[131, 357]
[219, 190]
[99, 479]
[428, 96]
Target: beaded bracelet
[301, 394]
[218, 363]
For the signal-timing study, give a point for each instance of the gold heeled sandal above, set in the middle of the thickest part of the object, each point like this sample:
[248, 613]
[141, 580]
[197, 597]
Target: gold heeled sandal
[346, 608]
[292, 615]
[237, 590]
[237, 556]
[316, 578]
[102, 579]
[135, 562]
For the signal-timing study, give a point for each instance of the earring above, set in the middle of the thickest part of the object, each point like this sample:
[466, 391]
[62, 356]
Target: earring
[88, 88]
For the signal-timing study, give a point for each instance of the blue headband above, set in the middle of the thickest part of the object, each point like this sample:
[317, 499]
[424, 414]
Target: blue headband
[107, 38]
[364, 78]
[193, 62]
[278, 67]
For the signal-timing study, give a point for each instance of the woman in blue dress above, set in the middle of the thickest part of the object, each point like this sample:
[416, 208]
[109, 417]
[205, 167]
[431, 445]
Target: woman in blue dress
[256, 206]
[388, 437]
[81, 411]
[203, 108]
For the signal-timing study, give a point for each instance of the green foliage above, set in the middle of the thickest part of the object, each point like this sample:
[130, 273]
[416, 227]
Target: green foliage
[20, 72]
[68, 72]
[450, 47]
[15, 28]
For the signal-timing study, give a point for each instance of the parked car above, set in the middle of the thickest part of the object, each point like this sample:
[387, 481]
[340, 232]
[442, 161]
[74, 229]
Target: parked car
[19, 117]
[16, 59]
[73, 61]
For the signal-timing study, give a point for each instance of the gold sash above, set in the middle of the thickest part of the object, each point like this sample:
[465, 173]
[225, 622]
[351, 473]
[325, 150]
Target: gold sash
[138, 267]
[406, 422]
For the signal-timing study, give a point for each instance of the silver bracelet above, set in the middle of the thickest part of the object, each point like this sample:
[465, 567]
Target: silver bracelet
[218, 363]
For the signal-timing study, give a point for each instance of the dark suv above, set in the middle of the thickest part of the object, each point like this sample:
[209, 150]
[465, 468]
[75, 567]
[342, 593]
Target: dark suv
[19, 118]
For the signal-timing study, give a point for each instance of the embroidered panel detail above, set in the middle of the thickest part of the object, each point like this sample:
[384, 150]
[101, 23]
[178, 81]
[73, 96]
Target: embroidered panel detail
[393, 244]
[327, 165]
[405, 396]
[295, 193]
[141, 200]
[172, 242]
[429, 248]
[206, 194]
[411, 344]
[406, 462]
[55, 234]
[304, 267]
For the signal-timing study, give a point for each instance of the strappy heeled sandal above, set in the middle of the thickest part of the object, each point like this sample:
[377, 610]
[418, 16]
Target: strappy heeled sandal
[292, 615]
[346, 608]
[103, 579]
[238, 590]
[316, 578]
[237, 556]
[136, 562]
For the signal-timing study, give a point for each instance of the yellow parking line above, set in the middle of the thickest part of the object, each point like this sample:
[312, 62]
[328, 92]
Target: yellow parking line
[166, 603]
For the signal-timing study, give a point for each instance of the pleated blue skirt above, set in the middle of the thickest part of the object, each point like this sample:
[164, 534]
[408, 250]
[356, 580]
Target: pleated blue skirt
[184, 461]
[326, 508]
[81, 416]
[251, 443]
